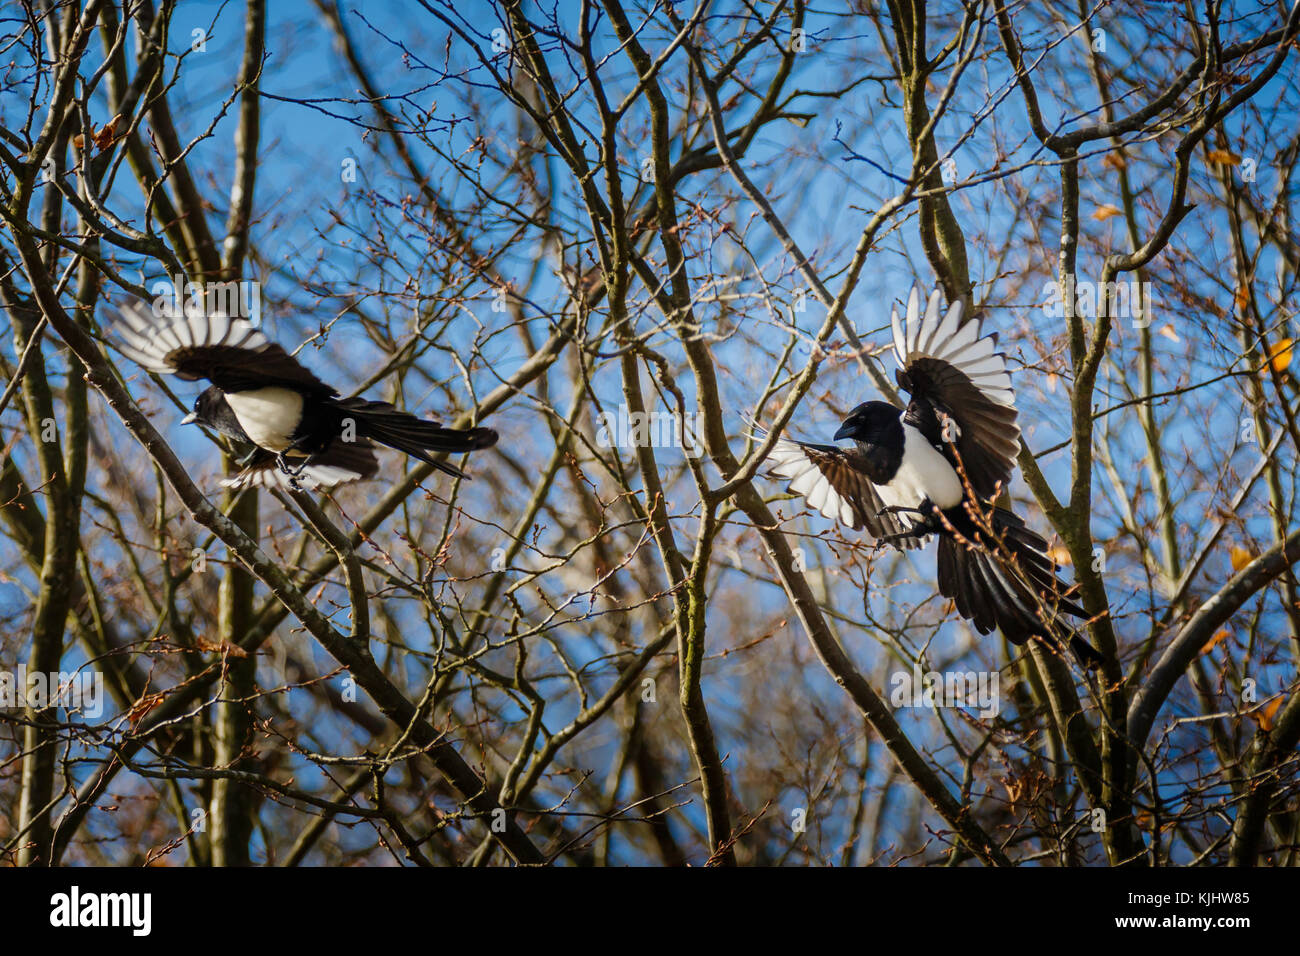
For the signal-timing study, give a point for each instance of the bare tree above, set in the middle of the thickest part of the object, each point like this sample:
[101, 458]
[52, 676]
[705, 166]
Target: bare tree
[623, 235]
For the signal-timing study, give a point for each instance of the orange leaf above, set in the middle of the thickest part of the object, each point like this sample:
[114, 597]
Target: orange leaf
[104, 136]
[1215, 641]
[1265, 713]
[1280, 355]
[1106, 212]
[1240, 557]
[1114, 161]
[1223, 157]
[142, 707]
[224, 648]
[1168, 332]
[1059, 554]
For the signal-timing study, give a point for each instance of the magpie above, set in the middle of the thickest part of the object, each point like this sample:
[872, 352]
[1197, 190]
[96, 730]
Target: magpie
[303, 433]
[935, 468]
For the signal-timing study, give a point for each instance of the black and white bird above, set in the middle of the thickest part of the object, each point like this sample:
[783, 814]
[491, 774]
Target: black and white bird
[302, 432]
[934, 468]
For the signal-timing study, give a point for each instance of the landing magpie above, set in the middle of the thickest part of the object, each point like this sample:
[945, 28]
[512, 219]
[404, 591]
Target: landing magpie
[934, 468]
[261, 395]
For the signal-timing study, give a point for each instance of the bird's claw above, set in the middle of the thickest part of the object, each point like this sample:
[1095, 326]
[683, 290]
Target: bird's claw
[899, 510]
[894, 538]
[293, 471]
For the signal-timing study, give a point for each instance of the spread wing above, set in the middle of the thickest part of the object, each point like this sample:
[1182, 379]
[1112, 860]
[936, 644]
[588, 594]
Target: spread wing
[832, 480]
[952, 371]
[338, 464]
[229, 351]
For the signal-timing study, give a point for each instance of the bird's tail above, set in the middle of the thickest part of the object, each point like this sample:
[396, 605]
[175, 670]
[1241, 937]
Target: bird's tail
[417, 437]
[1009, 583]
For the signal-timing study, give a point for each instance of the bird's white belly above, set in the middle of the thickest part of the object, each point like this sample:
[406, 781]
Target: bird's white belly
[269, 416]
[923, 473]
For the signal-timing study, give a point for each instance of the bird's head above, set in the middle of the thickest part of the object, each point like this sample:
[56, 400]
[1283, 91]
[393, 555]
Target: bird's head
[870, 422]
[206, 408]
[212, 409]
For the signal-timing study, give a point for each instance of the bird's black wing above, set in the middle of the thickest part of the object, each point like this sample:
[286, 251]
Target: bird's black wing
[339, 463]
[953, 373]
[229, 351]
[833, 481]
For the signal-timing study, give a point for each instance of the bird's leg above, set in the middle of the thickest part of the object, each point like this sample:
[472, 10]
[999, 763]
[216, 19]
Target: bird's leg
[928, 524]
[900, 510]
[293, 471]
[893, 538]
[305, 462]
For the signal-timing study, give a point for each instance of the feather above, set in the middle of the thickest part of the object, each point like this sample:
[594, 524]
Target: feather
[900, 340]
[913, 319]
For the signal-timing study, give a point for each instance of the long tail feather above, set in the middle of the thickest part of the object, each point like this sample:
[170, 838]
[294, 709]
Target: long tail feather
[416, 437]
[1010, 583]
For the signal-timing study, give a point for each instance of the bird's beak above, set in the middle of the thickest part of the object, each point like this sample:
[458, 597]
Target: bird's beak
[846, 431]
[190, 419]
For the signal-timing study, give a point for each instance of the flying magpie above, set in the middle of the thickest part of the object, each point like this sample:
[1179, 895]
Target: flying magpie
[261, 395]
[934, 468]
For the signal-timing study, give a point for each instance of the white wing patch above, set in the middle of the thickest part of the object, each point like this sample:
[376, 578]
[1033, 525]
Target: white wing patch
[790, 461]
[943, 337]
[270, 476]
[150, 335]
